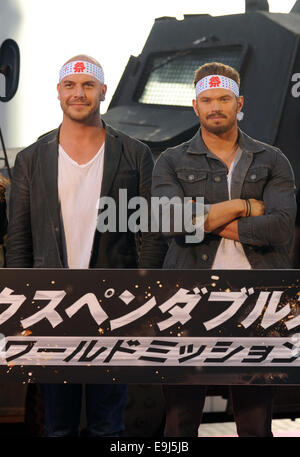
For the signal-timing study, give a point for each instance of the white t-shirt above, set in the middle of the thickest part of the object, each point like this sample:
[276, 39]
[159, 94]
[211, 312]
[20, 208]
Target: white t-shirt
[230, 253]
[79, 188]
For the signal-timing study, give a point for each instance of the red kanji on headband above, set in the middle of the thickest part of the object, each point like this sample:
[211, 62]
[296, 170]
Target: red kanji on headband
[79, 67]
[214, 81]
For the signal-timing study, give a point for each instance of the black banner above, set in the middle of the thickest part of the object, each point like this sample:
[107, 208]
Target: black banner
[150, 326]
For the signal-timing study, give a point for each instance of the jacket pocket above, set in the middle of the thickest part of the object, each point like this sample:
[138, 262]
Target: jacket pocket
[193, 182]
[254, 183]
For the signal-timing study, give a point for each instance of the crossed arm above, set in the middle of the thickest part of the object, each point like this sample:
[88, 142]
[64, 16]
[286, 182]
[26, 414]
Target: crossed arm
[271, 220]
[275, 225]
[221, 211]
[217, 216]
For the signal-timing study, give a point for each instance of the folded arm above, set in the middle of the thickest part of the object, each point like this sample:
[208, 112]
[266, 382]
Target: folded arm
[165, 185]
[275, 227]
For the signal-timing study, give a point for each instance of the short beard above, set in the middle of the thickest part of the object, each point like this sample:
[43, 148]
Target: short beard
[90, 119]
[219, 129]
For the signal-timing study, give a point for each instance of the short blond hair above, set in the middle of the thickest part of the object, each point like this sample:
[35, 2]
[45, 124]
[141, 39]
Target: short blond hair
[84, 57]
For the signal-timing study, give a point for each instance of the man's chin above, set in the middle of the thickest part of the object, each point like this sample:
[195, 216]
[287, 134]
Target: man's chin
[82, 118]
[218, 129]
[79, 118]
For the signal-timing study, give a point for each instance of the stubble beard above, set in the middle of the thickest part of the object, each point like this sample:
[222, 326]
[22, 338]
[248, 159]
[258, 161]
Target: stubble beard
[89, 118]
[219, 129]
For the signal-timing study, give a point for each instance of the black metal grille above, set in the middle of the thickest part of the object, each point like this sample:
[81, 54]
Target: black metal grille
[168, 78]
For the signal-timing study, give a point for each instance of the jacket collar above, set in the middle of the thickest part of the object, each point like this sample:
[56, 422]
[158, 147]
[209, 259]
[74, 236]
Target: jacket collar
[112, 155]
[53, 135]
[246, 143]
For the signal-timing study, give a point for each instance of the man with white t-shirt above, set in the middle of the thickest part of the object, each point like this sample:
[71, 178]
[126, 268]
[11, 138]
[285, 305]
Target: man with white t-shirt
[248, 220]
[53, 213]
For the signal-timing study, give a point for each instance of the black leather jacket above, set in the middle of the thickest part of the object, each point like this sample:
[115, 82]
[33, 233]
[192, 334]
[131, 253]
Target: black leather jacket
[35, 230]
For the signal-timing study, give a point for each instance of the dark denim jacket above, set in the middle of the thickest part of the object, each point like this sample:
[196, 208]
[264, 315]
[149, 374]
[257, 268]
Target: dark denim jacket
[263, 173]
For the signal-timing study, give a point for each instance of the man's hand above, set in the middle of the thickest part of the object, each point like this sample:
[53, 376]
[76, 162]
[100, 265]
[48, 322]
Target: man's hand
[230, 231]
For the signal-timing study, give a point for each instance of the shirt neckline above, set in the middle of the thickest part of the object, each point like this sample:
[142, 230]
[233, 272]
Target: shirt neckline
[83, 165]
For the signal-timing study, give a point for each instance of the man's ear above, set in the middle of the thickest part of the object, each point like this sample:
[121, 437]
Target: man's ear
[195, 108]
[57, 87]
[240, 102]
[103, 92]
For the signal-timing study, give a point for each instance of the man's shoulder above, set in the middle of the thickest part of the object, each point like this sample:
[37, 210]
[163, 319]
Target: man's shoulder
[175, 156]
[176, 151]
[253, 145]
[270, 156]
[126, 140]
[41, 142]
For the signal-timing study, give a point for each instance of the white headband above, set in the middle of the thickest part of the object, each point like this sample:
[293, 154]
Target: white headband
[80, 67]
[216, 82]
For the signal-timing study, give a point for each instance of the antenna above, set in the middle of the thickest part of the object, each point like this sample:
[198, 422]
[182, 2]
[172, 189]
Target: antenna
[256, 5]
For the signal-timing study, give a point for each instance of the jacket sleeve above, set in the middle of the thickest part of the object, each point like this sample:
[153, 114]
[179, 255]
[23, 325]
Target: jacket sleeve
[173, 216]
[153, 246]
[276, 226]
[19, 238]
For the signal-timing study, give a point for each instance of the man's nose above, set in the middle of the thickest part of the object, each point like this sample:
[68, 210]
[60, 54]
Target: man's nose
[79, 91]
[215, 105]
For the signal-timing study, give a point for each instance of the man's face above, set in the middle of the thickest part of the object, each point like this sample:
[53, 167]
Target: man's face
[217, 109]
[80, 97]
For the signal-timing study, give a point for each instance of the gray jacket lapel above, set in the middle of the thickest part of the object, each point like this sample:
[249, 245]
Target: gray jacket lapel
[112, 155]
[249, 147]
[48, 165]
[239, 173]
